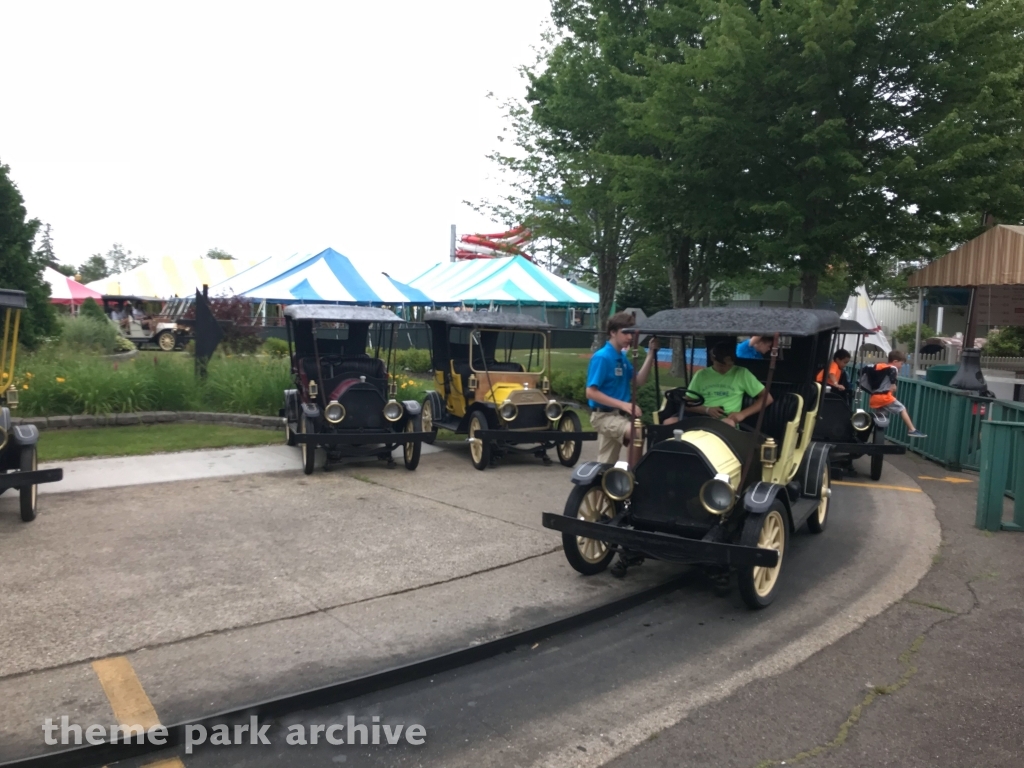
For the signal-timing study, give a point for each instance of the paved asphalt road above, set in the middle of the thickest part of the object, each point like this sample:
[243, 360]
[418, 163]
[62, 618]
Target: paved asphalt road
[690, 680]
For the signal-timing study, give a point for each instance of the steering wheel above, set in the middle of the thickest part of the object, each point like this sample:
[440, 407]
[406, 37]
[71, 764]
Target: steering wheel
[688, 399]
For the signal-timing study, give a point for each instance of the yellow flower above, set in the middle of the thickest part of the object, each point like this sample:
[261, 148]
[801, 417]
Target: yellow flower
[60, 380]
[28, 375]
[24, 386]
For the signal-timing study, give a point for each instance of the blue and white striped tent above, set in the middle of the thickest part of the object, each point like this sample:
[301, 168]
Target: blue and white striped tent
[330, 277]
[512, 280]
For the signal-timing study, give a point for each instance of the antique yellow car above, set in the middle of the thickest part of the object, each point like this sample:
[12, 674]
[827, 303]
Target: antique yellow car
[706, 492]
[18, 459]
[503, 404]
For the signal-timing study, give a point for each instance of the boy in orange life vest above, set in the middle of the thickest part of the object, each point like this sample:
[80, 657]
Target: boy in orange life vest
[887, 402]
[835, 370]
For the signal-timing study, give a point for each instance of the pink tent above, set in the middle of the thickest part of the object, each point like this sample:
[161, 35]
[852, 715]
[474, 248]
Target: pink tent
[64, 290]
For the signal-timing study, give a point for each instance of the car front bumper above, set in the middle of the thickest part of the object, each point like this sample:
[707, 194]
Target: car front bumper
[664, 546]
[527, 436]
[17, 479]
[868, 449]
[362, 438]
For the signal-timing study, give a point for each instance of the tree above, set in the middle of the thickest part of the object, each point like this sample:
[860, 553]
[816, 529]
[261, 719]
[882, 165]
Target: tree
[120, 260]
[45, 250]
[68, 270]
[95, 268]
[20, 268]
[217, 253]
[91, 309]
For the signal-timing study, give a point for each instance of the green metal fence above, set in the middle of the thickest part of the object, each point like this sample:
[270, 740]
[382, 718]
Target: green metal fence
[1002, 442]
[951, 419]
[968, 432]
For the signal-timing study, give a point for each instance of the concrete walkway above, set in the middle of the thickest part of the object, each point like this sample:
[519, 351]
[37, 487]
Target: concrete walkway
[92, 474]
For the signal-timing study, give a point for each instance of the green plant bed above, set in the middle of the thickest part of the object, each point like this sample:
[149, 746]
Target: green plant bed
[145, 439]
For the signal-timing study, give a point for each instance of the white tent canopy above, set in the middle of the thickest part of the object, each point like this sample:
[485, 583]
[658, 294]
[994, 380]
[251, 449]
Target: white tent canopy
[859, 308]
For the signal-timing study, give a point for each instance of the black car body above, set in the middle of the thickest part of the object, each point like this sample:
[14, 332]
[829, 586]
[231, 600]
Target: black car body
[344, 399]
[705, 492]
[19, 463]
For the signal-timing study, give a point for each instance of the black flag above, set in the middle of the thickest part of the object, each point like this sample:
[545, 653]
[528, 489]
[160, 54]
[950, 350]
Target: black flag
[208, 333]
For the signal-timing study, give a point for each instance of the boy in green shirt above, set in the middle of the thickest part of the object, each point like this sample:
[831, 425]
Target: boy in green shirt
[723, 386]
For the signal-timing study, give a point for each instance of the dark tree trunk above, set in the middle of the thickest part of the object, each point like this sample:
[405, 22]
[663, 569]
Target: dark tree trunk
[607, 276]
[680, 250]
[809, 287]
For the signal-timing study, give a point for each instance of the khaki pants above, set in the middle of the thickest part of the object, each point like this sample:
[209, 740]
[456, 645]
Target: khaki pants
[612, 428]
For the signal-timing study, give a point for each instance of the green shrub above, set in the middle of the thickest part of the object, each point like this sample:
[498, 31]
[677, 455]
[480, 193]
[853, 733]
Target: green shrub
[91, 309]
[412, 360]
[571, 385]
[907, 332]
[1008, 342]
[275, 347]
[87, 334]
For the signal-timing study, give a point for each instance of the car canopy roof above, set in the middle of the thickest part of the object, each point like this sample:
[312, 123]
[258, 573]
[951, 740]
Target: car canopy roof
[729, 321]
[11, 299]
[497, 320]
[341, 313]
[853, 328]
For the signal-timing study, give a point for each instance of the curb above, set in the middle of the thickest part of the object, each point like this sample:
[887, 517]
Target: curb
[151, 417]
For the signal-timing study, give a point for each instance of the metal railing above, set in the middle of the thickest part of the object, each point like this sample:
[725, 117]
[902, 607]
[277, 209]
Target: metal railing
[1001, 475]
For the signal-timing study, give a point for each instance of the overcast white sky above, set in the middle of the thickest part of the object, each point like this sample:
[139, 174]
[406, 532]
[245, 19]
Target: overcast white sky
[175, 127]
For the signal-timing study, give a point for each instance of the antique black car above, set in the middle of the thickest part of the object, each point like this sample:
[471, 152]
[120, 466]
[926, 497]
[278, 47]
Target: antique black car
[19, 464]
[706, 492]
[851, 430]
[500, 403]
[344, 399]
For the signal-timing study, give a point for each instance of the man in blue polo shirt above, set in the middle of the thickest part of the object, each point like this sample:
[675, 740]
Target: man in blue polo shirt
[609, 387]
[754, 348]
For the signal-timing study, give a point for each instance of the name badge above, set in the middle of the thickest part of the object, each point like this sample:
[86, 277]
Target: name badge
[618, 370]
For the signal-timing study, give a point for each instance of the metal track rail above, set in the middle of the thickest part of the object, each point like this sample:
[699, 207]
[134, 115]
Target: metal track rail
[110, 752]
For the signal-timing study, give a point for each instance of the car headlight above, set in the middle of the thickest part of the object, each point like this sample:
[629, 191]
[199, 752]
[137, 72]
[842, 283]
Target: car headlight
[717, 496]
[334, 412]
[508, 411]
[553, 410]
[861, 420]
[618, 483]
[393, 410]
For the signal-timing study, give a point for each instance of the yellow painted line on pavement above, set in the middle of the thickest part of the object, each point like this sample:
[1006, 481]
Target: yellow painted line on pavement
[128, 699]
[877, 485]
[946, 479]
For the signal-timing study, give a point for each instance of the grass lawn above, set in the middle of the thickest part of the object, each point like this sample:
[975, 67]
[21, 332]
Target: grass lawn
[57, 445]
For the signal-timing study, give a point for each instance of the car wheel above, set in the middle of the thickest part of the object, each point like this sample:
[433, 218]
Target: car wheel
[758, 584]
[479, 449]
[411, 451]
[166, 341]
[289, 436]
[569, 453]
[427, 415]
[29, 493]
[878, 438]
[590, 503]
[308, 449]
[819, 518]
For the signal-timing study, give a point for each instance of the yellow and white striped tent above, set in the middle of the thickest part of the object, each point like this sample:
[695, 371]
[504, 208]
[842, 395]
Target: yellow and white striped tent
[167, 277]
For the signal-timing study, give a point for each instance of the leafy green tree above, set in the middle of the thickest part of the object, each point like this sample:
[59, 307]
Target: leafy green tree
[67, 270]
[20, 268]
[94, 268]
[45, 250]
[121, 260]
[217, 253]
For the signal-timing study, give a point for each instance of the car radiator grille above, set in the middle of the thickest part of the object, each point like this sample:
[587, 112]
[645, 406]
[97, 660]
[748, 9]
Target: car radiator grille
[666, 495]
[364, 409]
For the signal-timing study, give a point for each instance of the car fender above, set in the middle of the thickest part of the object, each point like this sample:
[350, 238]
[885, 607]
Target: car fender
[24, 434]
[758, 499]
[816, 458]
[412, 407]
[589, 472]
[312, 410]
